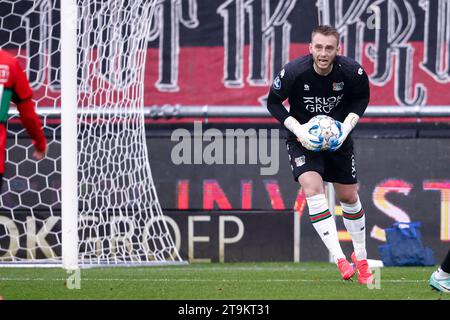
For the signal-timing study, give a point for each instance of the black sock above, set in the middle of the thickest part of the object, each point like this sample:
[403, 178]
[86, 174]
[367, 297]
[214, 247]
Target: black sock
[445, 266]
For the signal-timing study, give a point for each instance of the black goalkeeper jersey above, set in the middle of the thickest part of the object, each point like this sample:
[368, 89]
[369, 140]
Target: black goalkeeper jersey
[345, 89]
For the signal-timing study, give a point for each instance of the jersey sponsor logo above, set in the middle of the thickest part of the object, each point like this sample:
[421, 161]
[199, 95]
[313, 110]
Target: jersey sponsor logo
[305, 87]
[338, 86]
[4, 73]
[321, 104]
[299, 161]
[360, 71]
[277, 83]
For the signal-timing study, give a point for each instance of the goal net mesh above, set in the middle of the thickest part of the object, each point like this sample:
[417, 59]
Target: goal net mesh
[120, 220]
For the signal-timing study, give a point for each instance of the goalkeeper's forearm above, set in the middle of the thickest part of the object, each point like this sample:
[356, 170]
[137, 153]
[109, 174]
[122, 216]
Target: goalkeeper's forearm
[276, 108]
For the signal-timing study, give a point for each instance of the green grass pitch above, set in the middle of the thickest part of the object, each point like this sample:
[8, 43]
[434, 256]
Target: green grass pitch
[227, 281]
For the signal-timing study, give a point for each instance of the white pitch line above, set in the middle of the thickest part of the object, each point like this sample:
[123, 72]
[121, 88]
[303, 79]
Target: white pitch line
[201, 280]
[213, 269]
[195, 268]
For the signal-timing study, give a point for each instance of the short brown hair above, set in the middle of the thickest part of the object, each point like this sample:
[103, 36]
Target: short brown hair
[326, 31]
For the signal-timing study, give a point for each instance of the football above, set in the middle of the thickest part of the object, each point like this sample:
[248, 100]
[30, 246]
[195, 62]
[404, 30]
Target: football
[326, 128]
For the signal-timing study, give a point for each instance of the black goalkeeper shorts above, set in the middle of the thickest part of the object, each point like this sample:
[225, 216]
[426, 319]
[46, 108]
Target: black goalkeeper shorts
[338, 166]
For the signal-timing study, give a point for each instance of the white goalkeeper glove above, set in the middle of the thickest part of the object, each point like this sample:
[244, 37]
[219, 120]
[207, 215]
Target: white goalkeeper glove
[304, 134]
[344, 130]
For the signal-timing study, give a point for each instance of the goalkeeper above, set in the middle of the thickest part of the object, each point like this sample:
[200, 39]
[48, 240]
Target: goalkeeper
[14, 86]
[325, 83]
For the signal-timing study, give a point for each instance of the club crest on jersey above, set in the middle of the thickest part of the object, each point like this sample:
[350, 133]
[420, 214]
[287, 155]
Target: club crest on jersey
[4, 73]
[277, 83]
[338, 86]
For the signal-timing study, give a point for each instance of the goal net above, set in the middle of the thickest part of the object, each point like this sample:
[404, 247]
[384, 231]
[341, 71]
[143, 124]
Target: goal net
[119, 219]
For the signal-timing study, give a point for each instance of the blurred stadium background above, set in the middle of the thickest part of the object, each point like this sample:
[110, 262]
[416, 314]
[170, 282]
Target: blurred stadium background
[213, 62]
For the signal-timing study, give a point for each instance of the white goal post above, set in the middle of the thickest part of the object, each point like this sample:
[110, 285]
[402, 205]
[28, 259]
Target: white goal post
[69, 136]
[92, 201]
